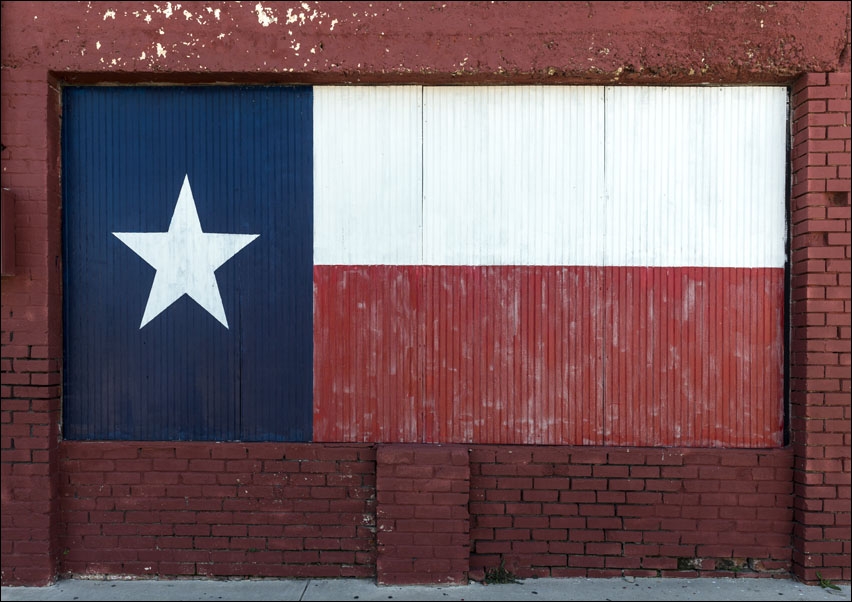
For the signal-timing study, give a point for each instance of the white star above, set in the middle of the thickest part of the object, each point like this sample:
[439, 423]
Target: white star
[185, 259]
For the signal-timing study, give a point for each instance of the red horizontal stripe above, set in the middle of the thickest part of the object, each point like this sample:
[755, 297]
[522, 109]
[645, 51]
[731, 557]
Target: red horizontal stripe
[549, 355]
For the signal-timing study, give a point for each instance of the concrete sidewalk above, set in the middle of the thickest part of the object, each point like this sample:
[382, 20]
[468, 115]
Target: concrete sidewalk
[364, 589]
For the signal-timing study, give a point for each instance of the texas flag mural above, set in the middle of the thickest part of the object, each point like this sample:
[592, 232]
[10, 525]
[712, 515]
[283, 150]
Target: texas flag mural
[528, 264]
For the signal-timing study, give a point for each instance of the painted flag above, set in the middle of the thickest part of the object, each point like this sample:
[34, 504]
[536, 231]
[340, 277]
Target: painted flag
[526, 264]
[188, 263]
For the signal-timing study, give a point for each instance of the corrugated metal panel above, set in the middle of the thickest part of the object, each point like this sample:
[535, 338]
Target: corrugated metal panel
[656, 349]
[549, 355]
[512, 175]
[367, 375]
[513, 354]
[502, 265]
[368, 175]
[695, 177]
[246, 153]
[694, 356]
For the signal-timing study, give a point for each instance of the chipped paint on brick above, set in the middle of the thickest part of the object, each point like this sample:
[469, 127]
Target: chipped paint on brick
[166, 12]
[265, 16]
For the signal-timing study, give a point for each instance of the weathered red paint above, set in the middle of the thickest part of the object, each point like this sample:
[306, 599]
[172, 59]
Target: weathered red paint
[549, 355]
[452, 42]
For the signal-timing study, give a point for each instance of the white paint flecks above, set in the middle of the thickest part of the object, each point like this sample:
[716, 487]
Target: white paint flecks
[142, 56]
[187, 15]
[98, 45]
[166, 12]
[265, 16]
[160, 50]
[110, 14]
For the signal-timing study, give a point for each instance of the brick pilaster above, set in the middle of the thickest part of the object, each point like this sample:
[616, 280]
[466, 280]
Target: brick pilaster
[820, 326]
[31, 331]
[423, 523]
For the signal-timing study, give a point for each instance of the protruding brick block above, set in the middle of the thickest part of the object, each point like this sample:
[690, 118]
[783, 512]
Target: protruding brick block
[422, 549]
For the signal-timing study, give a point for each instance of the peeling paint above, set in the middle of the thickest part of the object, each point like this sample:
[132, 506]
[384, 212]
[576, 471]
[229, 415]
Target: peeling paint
[265, 16]
[167, 12]
[160, 50]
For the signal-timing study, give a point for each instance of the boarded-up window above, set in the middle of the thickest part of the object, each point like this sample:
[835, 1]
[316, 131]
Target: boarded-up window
[531, 264]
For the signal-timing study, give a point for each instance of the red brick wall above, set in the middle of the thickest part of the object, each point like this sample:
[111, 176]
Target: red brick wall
[598, 512]
[804, 44]
[820, 313]
[31, 336]
[217, 510]
[422, 514]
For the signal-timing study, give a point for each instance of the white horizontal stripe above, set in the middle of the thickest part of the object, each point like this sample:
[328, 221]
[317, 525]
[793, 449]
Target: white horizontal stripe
[513, 175]
[367, 175]
[696, 176]
[550, 175]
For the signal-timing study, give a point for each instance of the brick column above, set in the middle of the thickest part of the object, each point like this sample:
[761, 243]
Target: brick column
[31, 331]
[820, 319]
[422, 494]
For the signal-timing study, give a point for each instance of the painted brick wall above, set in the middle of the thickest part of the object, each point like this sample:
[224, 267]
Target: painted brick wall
[46, 45]
[31, 331]
[598, 512]
[217, 510]
[820, 313]
[422, 514]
